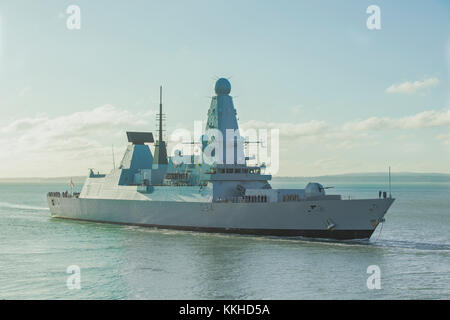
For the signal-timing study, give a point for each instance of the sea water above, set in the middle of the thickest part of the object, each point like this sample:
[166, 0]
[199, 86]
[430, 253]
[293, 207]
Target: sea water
[411, 252]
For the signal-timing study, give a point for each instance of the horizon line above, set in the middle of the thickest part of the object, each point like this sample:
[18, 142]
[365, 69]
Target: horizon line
[275, 176]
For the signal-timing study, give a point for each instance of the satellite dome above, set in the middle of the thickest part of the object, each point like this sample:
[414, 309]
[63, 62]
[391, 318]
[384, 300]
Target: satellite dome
[223, 86]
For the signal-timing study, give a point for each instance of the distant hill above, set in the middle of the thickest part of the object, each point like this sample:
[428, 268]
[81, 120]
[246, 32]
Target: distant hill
[349, 177]
[396, 177]
[374, 174]
[76, 180]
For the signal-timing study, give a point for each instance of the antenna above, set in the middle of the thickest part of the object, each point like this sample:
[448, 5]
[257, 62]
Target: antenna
[390, 196]
[160, 113]
[114, 161]
[160, 145]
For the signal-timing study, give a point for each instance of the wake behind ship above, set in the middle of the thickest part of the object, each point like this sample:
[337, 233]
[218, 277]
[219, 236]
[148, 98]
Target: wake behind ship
[222, 193]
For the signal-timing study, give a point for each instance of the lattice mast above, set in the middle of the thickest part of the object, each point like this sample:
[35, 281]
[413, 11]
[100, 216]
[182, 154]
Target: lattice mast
[160, 145]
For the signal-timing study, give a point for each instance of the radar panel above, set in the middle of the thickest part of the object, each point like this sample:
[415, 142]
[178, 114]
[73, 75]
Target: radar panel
[139, 137]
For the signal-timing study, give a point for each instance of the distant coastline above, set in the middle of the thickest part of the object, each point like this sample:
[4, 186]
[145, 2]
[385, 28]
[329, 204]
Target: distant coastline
[75, 179]
[382, 175]
[408, 176]
[379, 177]
[370, 174]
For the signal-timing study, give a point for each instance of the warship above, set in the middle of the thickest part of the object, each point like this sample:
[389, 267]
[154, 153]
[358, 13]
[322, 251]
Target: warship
[225, 195]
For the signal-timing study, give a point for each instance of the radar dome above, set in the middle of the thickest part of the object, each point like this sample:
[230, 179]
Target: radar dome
[223, 86]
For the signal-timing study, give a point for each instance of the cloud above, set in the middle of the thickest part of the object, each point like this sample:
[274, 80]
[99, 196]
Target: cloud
[327, 148]
[425, 119]
[349, 135]
[83, 122]
[413, 87]
[73, 140]
[24, 91]
[445, 138]
[68, 144]
[293, 130]
[296, 109]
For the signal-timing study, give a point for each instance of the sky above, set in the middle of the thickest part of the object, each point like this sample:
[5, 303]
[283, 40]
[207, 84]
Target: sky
[345, 98]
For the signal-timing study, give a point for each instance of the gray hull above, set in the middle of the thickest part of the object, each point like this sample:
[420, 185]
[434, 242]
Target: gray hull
[331, 219]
